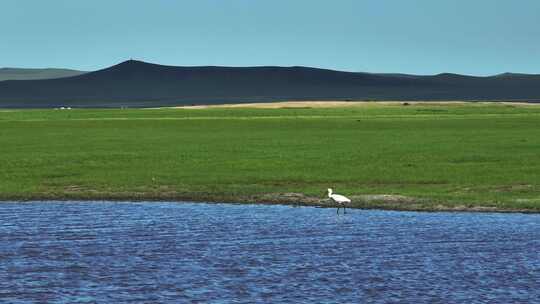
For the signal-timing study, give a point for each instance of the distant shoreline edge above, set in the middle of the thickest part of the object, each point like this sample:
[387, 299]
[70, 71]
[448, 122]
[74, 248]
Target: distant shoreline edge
[362, 202]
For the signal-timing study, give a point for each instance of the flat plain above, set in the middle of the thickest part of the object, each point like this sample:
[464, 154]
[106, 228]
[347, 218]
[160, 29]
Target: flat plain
[447, 156]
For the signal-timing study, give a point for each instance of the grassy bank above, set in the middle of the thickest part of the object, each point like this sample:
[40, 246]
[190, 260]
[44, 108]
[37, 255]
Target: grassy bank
[428, 157]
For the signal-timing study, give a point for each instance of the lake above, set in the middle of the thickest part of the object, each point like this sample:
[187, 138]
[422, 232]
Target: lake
[110, 252]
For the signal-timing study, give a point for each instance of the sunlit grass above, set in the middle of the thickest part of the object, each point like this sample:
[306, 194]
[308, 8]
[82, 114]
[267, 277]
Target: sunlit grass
[449, 154]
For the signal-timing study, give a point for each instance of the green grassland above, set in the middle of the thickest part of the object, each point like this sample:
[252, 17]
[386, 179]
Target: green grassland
[426, 157]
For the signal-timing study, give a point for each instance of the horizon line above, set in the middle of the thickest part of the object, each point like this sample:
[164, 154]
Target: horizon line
[272, 66]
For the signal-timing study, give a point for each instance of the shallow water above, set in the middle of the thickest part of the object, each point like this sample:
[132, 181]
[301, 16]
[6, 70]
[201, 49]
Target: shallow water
[98, 252]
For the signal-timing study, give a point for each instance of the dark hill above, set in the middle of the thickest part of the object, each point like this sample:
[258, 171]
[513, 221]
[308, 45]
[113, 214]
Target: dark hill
[29, 74]
[135, 83]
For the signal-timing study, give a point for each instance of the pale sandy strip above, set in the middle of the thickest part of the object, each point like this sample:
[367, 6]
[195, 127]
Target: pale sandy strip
[338, 104]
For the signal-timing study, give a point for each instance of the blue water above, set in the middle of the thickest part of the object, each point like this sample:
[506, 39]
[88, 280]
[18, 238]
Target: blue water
[98, 252]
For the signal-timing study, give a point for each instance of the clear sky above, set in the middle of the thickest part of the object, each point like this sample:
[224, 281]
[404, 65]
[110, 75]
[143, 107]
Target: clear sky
[478, 37]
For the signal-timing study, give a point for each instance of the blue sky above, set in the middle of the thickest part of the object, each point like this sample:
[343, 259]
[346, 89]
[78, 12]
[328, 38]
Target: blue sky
[478, 37]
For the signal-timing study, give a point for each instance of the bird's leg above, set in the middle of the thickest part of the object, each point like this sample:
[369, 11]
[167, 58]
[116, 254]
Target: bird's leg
[337, 211]
[344, 210]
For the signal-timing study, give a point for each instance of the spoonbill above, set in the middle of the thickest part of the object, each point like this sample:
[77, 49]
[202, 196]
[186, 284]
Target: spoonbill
[339, 199]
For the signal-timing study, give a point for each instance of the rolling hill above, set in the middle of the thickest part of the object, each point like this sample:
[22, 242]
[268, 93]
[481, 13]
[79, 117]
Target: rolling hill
[139, 84]
[32, 74]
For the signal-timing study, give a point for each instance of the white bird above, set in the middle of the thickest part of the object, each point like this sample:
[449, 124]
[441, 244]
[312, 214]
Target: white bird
[339, 199]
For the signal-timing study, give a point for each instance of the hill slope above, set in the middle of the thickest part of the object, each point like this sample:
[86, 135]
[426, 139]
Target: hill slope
[32, 74]
[136, 83]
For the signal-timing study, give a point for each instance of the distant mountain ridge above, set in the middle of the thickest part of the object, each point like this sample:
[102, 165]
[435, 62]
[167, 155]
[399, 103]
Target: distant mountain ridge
[140, 84]
[33, 74]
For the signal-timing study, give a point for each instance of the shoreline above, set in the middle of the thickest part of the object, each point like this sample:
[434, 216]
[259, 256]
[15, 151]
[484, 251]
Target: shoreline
[363, 202]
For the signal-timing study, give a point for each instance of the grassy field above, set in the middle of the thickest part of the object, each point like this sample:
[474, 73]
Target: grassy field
[425, 157]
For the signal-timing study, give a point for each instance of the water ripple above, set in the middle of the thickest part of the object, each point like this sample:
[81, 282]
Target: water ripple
[100, 252]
